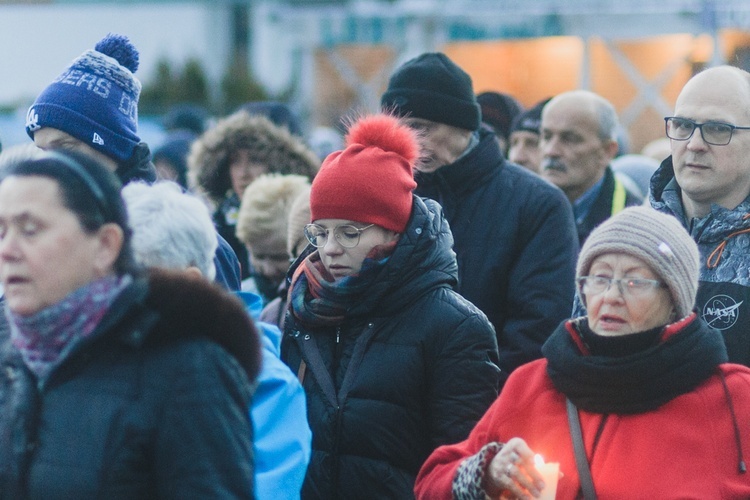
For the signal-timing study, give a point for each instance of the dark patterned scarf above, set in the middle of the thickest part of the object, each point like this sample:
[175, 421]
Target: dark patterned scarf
[44, 338]
[317, 299]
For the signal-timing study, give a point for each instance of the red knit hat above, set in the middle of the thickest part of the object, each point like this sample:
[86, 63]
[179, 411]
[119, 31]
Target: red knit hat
[371, 181]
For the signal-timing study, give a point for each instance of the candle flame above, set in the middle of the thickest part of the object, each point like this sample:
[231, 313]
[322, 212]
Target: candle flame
[538, 460]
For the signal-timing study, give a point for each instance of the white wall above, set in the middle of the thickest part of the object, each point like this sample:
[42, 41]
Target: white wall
[37, 42]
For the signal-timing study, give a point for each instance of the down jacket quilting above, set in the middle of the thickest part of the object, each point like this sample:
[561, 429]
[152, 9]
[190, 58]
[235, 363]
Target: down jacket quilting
[413, 366]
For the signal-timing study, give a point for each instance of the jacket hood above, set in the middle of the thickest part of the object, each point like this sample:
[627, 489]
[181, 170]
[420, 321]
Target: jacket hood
[718, 226]
[659, 181]
[139, 166]
[273, 146]
[422, 260]
[180, 307]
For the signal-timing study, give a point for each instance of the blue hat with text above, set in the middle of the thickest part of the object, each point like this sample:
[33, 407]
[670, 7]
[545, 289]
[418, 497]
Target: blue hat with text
[95, 99]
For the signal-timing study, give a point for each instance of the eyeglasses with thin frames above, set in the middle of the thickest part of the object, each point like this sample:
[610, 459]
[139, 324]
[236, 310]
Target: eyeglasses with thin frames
[346, 235]
[628, 287]
[715, 133]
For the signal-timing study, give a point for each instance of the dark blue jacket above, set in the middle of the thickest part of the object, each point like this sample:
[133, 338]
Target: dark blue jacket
[411, 367]
[153, 404]
[516, 244]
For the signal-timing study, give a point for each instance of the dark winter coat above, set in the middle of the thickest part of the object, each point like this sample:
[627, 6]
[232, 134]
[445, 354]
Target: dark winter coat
[412, 367]
[225, 221]
[154, 404]
[604, 206]
[516, 244]
[724, 283]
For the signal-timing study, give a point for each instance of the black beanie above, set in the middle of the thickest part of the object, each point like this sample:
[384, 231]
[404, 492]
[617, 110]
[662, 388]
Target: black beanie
[530, 120]
[433, 87]
[498, 111]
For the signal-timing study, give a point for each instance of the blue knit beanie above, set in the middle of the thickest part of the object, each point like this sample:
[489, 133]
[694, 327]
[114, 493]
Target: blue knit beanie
[95, 99]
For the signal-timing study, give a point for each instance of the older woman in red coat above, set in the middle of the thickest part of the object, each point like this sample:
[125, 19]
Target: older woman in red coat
[661, 412]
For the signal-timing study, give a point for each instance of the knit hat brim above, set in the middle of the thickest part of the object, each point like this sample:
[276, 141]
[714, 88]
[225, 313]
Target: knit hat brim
[433, 87]
[655, 238]
[441, 108]
[102, 139]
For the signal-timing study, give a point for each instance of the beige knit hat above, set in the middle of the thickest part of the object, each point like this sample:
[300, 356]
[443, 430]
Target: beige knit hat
[657, 239]
[299, 216]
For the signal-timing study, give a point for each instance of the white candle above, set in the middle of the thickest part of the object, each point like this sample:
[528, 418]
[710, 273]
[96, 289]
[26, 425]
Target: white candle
[550, 472]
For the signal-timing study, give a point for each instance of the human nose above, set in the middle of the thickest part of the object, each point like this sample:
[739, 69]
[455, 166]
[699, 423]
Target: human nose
[616, 286]
[550, 147]
[332, 245]
[696, 141]
[9, 249]
[263, 266]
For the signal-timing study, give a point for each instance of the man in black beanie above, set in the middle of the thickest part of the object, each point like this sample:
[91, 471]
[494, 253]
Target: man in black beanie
[514, 234]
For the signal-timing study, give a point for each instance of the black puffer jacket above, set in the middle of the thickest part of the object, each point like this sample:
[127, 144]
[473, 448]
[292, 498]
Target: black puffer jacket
[516, 245]
[413, 366]
[154, 404]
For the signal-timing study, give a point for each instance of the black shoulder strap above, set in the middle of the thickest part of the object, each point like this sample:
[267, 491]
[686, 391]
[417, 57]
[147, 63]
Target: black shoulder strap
[582, 463]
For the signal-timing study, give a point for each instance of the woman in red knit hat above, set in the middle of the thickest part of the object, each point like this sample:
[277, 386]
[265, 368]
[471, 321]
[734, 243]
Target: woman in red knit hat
[393, 361]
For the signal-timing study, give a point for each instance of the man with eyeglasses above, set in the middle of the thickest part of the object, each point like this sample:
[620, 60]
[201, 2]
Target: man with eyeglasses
[706, 185]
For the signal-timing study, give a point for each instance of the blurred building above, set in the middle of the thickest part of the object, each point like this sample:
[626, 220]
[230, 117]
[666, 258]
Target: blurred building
[637, 53]
[331, 56]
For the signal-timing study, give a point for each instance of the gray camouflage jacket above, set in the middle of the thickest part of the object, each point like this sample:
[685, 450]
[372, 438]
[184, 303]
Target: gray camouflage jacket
[723, 239]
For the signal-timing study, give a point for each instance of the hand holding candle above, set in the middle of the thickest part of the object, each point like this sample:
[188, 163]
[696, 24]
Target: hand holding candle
[550, 472]
[512, 473]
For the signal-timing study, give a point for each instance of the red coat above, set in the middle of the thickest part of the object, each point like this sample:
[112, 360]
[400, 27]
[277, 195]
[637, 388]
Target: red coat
[684, 449]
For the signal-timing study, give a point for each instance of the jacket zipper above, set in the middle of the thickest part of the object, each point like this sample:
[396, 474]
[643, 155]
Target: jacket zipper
[337, 418]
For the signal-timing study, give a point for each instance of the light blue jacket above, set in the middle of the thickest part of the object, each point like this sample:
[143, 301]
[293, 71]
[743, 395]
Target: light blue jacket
[282, 435]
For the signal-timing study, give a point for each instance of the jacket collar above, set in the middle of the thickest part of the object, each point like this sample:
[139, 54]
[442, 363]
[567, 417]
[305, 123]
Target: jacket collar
[469, 170]
[666, 196]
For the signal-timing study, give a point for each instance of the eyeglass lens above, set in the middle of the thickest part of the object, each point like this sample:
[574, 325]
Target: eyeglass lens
[346, 235]
[626, 286]
[716, 133]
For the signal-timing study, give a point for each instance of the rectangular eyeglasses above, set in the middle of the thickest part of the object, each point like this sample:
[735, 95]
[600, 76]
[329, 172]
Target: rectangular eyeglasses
[715, 133]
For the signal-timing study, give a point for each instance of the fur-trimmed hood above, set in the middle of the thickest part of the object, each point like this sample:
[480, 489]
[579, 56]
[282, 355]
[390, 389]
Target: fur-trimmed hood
[178, 307]
[267, 143]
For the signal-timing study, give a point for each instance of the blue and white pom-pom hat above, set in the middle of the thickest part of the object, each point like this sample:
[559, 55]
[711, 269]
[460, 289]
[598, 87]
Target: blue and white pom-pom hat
[95, 99]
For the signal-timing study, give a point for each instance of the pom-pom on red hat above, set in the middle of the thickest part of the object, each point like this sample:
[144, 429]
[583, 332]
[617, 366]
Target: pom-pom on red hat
[371, 180]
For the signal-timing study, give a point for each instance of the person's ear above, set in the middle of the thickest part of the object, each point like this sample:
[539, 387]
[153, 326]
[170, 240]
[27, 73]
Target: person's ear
[193, 272]
[110, 238]
[611, 147]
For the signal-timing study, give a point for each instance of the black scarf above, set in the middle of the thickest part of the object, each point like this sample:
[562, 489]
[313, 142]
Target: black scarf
[637, 382]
